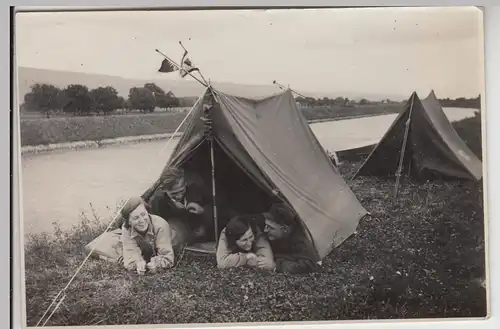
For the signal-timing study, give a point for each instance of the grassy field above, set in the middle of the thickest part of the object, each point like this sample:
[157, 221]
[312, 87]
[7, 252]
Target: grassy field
[420, 255]
[42, 131]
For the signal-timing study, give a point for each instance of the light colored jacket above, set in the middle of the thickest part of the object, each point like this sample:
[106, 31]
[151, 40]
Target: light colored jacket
[227, 258]
[159, 234]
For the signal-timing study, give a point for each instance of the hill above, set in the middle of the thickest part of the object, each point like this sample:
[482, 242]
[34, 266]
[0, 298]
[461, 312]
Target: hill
[181, 88]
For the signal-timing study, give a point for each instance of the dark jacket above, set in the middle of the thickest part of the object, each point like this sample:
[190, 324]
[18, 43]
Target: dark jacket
[294, 254]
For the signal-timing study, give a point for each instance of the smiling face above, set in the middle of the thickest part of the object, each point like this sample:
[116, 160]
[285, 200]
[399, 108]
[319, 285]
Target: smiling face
[246, 241]
[139, 219]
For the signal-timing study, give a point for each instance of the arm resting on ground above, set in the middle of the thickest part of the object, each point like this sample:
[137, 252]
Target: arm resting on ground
[225, 258]
[164, 243]
[264, 253]
[132, 254]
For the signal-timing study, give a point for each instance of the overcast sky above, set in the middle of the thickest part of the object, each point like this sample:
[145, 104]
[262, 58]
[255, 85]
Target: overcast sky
[392, 51]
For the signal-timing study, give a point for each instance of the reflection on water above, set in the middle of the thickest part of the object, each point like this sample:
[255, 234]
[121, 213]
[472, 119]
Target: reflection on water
[59, 186]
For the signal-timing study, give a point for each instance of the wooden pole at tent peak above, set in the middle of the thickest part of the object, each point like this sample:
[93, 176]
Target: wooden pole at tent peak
[283, 87]
[403, 150]
[179, 67]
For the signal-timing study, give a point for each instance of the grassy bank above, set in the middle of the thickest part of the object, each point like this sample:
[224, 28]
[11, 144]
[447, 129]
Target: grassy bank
[337, 111]
[96, 128]
[417, 256]
[421, 255]
[56, 130]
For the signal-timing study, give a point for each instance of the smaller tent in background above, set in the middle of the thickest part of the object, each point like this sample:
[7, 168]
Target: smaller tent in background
[422, 143]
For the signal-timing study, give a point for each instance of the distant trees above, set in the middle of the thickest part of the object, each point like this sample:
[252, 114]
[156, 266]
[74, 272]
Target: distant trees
[77, 99]
[42, 98]
[141, 98]
[462, 102]
[106, 100]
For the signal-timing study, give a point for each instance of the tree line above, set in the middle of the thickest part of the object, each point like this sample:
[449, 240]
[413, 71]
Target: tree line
[339, 101]
[342, 101]
[78, 100]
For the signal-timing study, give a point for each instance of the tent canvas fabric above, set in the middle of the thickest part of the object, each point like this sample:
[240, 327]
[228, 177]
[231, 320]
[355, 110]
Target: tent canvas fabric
[263, 146]
[433, 147]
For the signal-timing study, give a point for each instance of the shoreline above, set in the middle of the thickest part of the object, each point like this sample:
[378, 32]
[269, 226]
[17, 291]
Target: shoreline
[74, 146]
[93, 144]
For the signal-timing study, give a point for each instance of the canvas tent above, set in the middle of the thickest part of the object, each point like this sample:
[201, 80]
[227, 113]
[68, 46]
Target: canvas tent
[432, 148]
[266, 145]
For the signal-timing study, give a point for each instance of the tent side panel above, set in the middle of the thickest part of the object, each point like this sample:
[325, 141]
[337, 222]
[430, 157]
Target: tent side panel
[459, 151]
[384, 159]
[432, 157]
[273, 134]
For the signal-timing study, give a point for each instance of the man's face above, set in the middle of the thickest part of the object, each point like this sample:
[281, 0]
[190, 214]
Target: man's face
[139, 219]
[274, 230]
[177, 194]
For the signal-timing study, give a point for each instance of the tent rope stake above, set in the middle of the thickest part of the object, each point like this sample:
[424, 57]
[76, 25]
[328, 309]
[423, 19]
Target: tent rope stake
[403, 150]
[62, 292]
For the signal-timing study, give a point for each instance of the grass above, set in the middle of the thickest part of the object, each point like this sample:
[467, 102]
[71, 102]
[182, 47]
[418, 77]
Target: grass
[96, 128]
[418, 256]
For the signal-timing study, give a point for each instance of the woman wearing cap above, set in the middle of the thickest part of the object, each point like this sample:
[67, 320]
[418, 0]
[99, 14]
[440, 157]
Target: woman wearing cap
[293, 252]
[146, 239]
[241, 243]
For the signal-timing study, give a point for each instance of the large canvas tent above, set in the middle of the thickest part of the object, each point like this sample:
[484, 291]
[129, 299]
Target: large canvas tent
[432, 148]
[263, 146]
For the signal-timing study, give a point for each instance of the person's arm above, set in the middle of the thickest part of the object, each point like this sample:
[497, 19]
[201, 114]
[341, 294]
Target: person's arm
[196, 189]
[265, 257]
[301, 259]
[132, 254]
[295, 266]
[164, 244]
[225, 258]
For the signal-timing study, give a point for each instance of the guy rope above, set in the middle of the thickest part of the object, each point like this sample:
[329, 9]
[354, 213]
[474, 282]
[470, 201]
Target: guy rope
[59, 298]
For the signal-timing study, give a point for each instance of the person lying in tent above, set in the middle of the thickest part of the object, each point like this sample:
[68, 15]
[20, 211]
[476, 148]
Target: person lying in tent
[146, 239]
[242, 243]
[293, 252]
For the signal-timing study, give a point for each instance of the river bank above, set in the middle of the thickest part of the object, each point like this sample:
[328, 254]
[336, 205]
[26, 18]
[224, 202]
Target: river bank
[53, 133]
[84, 144]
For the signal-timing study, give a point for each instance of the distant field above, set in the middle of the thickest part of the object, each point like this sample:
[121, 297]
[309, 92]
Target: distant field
[37, 130]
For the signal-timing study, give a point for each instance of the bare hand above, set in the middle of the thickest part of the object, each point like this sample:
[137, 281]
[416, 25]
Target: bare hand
[263, 263]
[194, 208]
[152, 265]
[141, 268]
[251, 259]
[158, 262]
[178, 205]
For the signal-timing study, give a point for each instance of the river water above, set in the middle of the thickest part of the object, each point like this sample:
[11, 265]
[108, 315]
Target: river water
[59, 187]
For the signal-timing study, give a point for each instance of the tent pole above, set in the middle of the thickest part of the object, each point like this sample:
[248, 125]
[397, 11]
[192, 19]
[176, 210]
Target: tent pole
[403, 150]
[293, 91]
[216, 225]
[210, 137]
